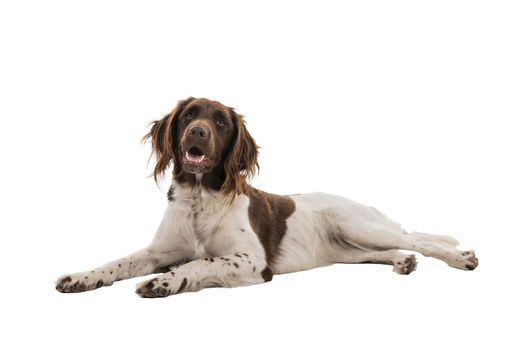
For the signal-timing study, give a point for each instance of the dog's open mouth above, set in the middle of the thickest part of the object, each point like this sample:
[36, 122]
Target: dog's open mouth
[195, 155]
[197, 160]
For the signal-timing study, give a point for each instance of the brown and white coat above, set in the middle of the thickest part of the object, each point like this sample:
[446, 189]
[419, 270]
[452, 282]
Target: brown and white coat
[218, 231]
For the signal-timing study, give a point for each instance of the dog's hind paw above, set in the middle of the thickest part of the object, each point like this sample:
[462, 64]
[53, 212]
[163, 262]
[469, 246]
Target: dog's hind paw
[466, 261]
[405, 265]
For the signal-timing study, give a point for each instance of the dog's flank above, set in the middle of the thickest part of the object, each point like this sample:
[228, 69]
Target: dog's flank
[268, 214]
[218, 231]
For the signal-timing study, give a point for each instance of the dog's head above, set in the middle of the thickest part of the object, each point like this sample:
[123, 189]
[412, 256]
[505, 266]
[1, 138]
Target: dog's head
[204, 137]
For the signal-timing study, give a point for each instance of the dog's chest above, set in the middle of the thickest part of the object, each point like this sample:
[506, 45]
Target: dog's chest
[199, 213]
[207, 214]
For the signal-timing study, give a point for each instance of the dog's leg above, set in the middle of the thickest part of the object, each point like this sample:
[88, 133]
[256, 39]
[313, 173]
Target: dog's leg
[387, 237]
[403, 264]
[233, 270]
[173, 243]
[141, 263]
[440, 247]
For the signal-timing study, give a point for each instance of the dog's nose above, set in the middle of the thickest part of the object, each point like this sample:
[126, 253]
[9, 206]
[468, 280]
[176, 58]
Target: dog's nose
[199, 132]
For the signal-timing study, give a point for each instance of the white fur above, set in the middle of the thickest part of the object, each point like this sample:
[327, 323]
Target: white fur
[365, 230]
[197, 224]
[216, 237]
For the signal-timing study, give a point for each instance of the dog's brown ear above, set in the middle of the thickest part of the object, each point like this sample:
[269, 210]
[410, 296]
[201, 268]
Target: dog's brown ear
[241, 161]
[163, 135]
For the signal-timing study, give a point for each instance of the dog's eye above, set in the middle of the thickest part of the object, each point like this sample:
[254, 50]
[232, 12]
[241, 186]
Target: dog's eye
[189, 116]
[221, 123]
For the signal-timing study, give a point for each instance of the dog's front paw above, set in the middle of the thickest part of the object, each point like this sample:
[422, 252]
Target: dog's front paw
[153, 289]
[79, 282]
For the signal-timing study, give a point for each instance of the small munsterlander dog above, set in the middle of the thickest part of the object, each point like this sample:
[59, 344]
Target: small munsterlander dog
[218, 231]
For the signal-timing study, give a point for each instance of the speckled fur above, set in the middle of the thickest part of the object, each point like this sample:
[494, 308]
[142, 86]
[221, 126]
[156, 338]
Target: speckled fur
[218, 231]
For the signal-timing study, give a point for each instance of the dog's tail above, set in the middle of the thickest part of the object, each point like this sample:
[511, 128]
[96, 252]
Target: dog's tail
[438, 239]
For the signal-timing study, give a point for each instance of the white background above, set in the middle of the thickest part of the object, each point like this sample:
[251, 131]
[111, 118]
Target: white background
[410, 106]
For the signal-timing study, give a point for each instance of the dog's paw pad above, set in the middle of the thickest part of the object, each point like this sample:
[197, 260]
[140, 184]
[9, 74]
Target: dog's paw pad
[153, 289]
[77, 283]
[465, 261]
[471, 261]
[405, 265]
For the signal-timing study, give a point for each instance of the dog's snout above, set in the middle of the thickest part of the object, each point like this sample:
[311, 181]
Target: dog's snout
[198, 132]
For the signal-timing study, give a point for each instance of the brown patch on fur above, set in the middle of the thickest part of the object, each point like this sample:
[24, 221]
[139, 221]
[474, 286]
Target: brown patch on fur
[268, 214]
[236, 265]
[151, 284]
[267, 274]
[162, 269]
[182, 285]
[162, 134]
[150, 291]
[170, 193]
[241, 162]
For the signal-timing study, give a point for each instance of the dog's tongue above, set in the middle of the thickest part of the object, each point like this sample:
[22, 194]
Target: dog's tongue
[194, 158]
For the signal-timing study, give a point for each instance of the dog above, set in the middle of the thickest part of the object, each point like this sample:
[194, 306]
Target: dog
[218, 231]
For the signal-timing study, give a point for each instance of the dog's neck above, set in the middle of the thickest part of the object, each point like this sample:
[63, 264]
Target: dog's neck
[195, 198]
[212, 180]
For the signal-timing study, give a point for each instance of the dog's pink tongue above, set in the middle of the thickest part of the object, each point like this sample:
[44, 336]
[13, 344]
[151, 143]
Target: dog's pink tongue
[194, 158]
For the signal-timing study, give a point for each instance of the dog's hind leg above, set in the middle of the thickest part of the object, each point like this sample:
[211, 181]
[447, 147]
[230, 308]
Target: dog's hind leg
[403, 264]
[441, 247]
[381, 236]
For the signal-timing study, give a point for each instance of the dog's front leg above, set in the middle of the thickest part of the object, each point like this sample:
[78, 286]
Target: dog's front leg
[171, 245]
[239, 269]
[141, 263]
